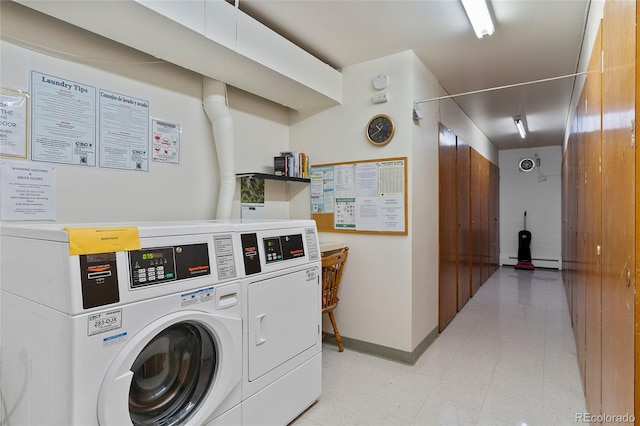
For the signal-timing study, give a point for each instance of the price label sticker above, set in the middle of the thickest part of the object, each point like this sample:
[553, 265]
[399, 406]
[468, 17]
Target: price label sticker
[104, 321]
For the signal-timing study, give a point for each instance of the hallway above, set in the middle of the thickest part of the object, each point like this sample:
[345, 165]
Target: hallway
[507, 358]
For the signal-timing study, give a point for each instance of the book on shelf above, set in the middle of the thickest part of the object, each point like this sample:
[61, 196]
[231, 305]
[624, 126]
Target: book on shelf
[280, 166]
[291, 164]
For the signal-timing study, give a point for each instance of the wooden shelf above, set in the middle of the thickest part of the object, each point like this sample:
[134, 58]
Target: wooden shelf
[273, 177]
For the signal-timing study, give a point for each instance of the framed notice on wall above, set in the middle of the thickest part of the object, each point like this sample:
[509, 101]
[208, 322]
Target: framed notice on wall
[13, 123]
[366, 196]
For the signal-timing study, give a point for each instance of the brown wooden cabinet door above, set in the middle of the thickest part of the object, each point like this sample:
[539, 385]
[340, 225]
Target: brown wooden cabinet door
[477, 250]
[618, 200]
[484, 218]
[579, 299]
[593, 227]
[464, 223]
[494, 224]
[448, 223]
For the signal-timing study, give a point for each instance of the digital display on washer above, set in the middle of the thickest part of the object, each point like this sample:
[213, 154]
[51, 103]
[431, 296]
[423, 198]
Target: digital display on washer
[152, 266]
[165, 264]
[284, 247]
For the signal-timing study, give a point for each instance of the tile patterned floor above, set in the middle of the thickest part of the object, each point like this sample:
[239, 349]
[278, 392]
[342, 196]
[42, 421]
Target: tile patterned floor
[508, 358]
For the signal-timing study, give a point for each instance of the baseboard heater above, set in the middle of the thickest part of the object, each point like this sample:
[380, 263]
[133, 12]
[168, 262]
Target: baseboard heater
[537, 262]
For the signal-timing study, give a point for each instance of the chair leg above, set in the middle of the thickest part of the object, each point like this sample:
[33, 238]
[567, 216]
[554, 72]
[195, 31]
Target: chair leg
[335, 331]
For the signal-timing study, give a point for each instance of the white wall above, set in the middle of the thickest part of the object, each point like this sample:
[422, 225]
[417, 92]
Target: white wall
[424, 198]
[375, 299]
[32, 41]
[537, 192]
[390, 292]
[261, 130]
[460, 124]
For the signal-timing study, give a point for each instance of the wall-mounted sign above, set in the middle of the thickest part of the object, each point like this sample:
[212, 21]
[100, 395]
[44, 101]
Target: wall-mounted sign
[124, 132]
[28, 191]
[63, 121]
[13, 123]
[165, 142]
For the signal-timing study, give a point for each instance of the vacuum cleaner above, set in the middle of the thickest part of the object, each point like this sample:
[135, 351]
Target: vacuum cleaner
[524, 248]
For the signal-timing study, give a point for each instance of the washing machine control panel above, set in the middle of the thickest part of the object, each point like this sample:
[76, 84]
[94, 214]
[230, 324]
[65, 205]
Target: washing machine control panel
[158, 265]
[284, 247]
[276, 249]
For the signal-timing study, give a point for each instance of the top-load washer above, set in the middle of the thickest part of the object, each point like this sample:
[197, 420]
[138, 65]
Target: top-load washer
[282, 363]
[144, 336]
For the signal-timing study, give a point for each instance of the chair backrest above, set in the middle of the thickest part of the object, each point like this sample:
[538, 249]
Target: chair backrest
[332, 268]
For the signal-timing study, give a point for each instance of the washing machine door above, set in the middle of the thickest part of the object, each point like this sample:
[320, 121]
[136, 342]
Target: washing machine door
[173, 372]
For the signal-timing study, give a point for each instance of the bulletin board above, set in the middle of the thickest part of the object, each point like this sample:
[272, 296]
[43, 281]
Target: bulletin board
[368, 196]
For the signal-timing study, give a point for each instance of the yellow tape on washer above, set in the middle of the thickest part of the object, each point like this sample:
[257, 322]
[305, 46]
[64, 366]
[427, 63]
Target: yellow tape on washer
[102, 240]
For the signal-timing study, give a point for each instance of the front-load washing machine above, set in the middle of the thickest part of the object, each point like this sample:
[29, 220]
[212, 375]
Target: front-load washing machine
[282, 363]
[150, 335]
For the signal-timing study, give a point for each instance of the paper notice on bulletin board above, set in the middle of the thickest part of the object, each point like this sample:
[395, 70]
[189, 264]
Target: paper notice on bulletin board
[345, 196]
[391, 213]
[391, 178]
[322, 199]
[367, 196]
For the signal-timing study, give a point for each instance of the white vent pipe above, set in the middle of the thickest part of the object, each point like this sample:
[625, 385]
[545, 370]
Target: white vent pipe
[214, 102]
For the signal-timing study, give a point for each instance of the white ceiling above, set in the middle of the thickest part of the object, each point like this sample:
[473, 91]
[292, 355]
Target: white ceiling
[534, 40]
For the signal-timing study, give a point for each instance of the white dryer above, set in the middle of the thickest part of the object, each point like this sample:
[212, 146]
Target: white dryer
[149, 336]
[282, 363]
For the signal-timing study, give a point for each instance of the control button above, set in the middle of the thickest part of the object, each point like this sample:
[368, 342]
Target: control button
[142, 279]
[160, 276]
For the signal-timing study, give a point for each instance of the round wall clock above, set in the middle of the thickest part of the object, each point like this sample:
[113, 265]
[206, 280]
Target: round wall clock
[380, 129]
[526, 164]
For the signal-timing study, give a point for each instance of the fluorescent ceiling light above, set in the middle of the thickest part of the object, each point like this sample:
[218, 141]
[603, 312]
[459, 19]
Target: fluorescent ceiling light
[520, 126]
[478, 14]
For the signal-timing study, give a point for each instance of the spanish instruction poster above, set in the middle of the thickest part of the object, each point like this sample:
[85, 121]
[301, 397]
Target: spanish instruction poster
[28, 191]
[13, 123]
[124, 132]
[63, 121]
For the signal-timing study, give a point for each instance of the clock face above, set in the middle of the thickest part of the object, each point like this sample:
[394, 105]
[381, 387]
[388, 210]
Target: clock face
[526, 164]
[380, 129]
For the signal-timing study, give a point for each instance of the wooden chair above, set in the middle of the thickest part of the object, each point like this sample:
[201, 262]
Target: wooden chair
[332, 268]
